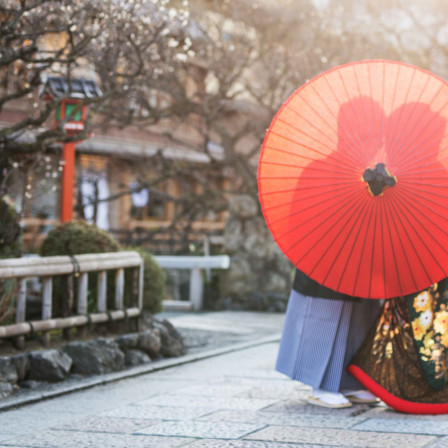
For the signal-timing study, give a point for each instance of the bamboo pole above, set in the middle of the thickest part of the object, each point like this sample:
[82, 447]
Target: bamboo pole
[21, 329]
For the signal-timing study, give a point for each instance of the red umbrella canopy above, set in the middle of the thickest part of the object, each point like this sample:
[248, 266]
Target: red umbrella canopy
[353, 179]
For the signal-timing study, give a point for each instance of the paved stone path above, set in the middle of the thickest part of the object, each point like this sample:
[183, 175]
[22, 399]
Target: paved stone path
[235, 400]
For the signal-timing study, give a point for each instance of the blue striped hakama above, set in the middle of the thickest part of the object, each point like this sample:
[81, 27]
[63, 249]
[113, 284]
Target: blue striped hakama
[320, 337]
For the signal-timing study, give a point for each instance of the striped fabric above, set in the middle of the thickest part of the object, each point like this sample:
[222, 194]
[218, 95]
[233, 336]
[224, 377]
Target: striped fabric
[320, 336]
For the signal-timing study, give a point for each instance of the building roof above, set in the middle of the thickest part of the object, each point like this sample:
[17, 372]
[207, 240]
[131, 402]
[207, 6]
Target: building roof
[57, 87]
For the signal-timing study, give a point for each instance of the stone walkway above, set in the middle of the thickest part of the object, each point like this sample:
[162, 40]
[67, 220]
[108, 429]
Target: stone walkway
[234, 400]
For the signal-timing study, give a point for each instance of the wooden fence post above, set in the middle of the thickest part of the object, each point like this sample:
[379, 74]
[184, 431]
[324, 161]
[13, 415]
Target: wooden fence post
[101, 303]
[21, 311]
[47, 293]
[83, 280]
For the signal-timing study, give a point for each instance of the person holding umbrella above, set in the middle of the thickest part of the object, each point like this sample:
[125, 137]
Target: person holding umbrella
[353, 183]
[322, 332]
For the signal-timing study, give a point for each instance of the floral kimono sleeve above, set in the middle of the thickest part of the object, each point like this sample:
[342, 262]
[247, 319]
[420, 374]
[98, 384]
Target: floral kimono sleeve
[428, 312]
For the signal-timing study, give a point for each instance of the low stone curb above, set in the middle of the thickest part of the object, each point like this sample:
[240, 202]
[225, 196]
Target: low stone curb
[86, 383]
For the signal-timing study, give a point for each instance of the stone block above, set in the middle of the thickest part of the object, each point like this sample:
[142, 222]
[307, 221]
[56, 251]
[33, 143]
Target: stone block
[49, 365]
[22, 365]
[302, 408]
[8, 370]
[95, 357]
[150, 341]
[75, 439]
[204, 402]
[211, 430]
[282, 419]
[340, 437]
[172, 341]
[150, 412]
[406, 426]
[107, 424]
[210, 443]
[6, 389]
[134, 357]
[128, 341]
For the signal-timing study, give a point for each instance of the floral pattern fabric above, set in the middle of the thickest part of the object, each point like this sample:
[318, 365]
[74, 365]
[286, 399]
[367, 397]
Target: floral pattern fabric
[428, 312]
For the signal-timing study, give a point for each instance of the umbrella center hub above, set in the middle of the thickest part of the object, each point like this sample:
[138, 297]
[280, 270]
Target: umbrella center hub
[378, 179]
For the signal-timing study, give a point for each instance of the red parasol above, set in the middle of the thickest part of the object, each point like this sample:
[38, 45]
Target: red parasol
[353, 179]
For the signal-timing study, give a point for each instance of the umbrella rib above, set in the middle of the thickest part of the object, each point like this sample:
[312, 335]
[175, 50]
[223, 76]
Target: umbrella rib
[362, 143]
[393, 105]
[340, 167]
[347, 144]
[422, 126]
[423, 148]
[376, 146]
[383, 241]
[355, 239]
[417, 192]
[387, 200]
[394, 141]
[347, 134]
[295, 154]
[431, 236]
[296, 177]
[308, 167]
[300, 144]
[308, 135]
[398, 204]
[316, 195]
[316, 204]
[310, 219]
[383, 115]
[418, 166]
[398, 149]
[431, 210]
[355, 283]
[410, 182]
[402, 246]
[368, 143]
[373, 247]
[412, 163]
[360, 210]
[406, 143]
[339, 209]
[302, 188]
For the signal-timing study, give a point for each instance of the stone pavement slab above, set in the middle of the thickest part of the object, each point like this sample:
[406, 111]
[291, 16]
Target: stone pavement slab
[215, 390]
[340, 437]
[212, 430]
[301, 408]
[73, 439]
[248, 444]
[441, 442]
[233, 400]
[406, 426]
[107, 424]
[202, 402]
[283, 418]
[158, 412]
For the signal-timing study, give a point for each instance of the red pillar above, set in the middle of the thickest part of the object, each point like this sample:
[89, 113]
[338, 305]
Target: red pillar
[68, 181]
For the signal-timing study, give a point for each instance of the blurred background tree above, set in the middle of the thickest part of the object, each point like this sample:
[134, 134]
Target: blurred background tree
[205, 72]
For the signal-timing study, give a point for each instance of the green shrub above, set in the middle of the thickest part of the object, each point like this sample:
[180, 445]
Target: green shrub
[73, 238]
[9, 248]
[9, 231]
[154, 282]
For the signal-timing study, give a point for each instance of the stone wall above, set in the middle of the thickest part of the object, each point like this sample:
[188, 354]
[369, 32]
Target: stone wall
[259, 277]
[159, 339]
